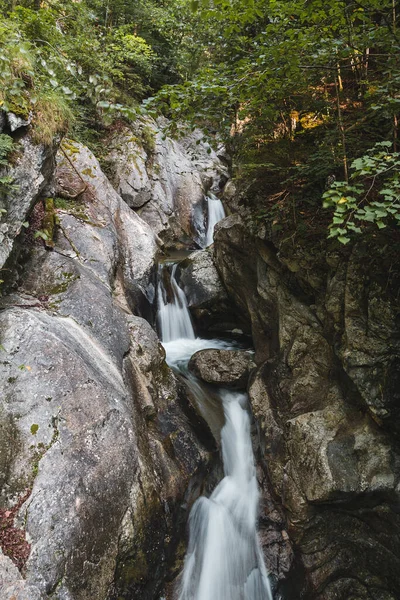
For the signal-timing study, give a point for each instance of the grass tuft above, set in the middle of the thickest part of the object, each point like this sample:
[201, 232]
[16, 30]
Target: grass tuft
[53, 115]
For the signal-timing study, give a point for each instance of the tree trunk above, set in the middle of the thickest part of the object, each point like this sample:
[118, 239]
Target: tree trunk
[341, 126]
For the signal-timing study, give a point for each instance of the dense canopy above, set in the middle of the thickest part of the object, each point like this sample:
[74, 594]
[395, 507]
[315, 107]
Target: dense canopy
[304, 93]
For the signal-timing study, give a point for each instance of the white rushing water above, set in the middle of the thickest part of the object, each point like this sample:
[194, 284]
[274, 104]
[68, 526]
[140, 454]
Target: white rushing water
[223, 560]
[216, 212]
[173, 314]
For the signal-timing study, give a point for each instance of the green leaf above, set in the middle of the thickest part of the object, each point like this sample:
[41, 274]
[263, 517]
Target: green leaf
[343, 239]
[41, 234]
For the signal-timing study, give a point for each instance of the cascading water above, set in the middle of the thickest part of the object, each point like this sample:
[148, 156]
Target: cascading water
[216, 212]
[224, 560]
[173, 314]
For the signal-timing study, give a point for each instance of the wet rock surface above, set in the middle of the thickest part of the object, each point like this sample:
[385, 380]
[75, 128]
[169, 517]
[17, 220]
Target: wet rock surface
[324, 338]
[227, 368]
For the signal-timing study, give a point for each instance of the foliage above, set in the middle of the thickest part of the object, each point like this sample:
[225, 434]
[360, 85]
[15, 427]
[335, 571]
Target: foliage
[296, 89]
[132, 61]
[53, 115]
[374, 197]
[6, 145]
[148, 140]
[16, 69]
[12, 539]
[94, 60]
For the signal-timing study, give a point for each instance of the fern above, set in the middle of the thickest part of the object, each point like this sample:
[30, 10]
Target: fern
[6, 144]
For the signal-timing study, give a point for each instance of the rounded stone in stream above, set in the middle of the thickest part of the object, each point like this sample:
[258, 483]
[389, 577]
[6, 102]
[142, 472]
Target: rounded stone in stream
[228, 368]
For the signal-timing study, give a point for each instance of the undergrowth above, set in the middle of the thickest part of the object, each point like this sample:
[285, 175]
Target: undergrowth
[52, 115]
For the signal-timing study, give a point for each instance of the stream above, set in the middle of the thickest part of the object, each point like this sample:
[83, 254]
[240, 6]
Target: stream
[223, 560]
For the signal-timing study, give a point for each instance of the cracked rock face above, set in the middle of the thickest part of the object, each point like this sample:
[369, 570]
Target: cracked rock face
[30, 175]
[95, 418]
[326, 437]
[109, 234]
[162, 179]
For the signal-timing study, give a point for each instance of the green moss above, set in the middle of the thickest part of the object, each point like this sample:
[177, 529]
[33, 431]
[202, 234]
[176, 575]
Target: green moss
[34, 428]
[12, 379]
[10, 446]
[59, 289]
[133, 158]
[69, 147]
[52, 115]
[65, 279]
[63, 203]
[89, 172]
[74, 208]
[54, 305]
[156, 169]
[148, 140]
[49, 222]
[41, 449]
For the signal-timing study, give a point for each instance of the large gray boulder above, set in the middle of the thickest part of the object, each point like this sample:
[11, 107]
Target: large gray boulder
[200, 280]
[227, 368]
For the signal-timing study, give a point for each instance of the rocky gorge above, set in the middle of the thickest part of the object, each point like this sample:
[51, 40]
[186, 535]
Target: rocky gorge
[103, 438]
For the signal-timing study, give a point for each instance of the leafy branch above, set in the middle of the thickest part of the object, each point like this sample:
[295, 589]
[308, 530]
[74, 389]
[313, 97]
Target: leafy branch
[373, 198]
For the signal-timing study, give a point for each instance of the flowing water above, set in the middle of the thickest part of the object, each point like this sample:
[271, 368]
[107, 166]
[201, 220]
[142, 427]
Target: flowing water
[204, 228]
[223, 560]
[216, 212]
[173, 314]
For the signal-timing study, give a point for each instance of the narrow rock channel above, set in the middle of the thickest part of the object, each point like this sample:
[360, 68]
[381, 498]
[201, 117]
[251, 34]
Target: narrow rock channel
[223, 559]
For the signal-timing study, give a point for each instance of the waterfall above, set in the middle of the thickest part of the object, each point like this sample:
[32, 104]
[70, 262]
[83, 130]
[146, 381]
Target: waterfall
[173, 314]
[216, 212]
[224, 559]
